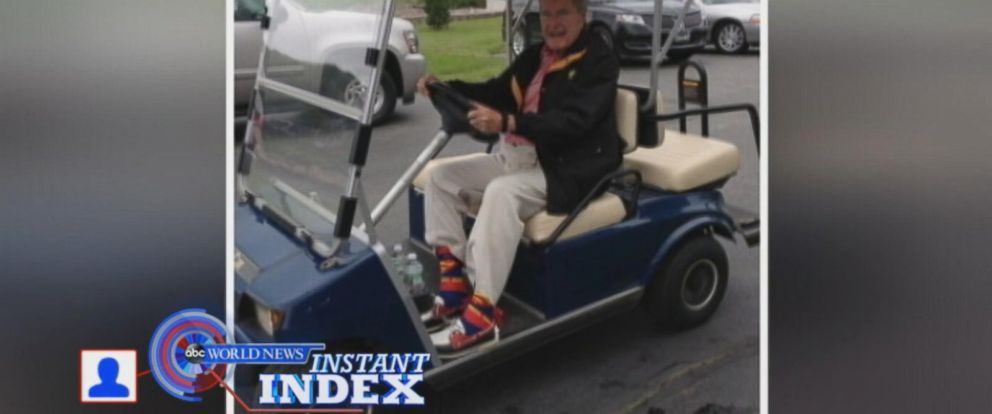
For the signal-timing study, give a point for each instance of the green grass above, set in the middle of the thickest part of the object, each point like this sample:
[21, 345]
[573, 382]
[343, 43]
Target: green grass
[470, 50]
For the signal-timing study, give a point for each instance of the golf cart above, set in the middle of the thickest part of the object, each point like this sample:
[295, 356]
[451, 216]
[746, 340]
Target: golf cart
[310, 267]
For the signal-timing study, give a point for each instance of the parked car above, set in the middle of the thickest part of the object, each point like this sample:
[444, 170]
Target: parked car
[333, 32]
[734, 24]
[625, 25]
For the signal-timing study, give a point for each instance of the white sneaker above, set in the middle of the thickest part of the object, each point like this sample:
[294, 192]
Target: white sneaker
[439, 316]
[452, 342]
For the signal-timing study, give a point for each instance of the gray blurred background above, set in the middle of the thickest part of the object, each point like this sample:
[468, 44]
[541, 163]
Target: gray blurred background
[880, 218]
[111, 187]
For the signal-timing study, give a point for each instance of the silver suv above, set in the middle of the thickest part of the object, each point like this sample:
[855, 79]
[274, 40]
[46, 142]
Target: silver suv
[329, 33]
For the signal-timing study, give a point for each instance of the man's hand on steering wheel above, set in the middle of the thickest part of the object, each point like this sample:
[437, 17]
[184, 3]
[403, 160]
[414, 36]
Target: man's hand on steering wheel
[460, 115]
[423, 82]
[487, 120]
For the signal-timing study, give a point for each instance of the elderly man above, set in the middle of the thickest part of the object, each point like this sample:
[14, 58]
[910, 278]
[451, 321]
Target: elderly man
[554, 105]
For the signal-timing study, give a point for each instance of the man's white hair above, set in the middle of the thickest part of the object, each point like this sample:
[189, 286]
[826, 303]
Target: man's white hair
[580, 5]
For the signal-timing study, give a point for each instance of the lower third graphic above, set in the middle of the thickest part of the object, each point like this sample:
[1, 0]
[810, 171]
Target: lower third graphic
[190, 352]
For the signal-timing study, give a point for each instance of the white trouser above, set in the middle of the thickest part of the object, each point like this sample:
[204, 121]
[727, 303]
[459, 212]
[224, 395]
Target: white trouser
[513, 188]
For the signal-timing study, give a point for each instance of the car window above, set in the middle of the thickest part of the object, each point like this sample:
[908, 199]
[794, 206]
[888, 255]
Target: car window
[247, 10]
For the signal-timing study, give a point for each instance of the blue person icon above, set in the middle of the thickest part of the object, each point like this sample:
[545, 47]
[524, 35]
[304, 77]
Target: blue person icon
[108, 386]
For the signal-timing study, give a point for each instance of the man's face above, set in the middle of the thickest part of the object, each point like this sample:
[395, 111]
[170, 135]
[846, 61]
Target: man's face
[561, 23]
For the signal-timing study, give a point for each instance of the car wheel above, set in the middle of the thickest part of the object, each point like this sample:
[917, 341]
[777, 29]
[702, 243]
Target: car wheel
[388, 92]
[385, 99]
[679, 56]
[689, 287]
[730, 38]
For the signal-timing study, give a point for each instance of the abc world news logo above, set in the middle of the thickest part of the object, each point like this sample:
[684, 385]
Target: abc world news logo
[332, 378]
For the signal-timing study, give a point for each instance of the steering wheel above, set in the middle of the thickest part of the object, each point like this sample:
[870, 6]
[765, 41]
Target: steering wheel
[454, 107]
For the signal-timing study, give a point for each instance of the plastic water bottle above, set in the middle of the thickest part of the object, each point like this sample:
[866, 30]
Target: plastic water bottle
[399, 261]
[415, 273]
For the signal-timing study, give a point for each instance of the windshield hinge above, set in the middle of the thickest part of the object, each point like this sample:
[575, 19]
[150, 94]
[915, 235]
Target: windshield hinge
[346, 213]
[371, 56]
[244, 161]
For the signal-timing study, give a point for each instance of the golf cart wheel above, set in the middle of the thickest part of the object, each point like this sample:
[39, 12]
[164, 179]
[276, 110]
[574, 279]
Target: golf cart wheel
[730, 38]
[689, 287]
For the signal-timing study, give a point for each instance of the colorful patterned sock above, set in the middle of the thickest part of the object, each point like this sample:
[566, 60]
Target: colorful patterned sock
[479, 316]
[455, 287]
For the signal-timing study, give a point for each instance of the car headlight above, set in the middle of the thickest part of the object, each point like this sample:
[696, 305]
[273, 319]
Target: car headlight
[269, 319]
[412, 42]
[755, 19]
[630, 18]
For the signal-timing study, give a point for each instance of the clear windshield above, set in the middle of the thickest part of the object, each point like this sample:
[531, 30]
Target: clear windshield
[319, 46]
[300, 163]
[308, 106]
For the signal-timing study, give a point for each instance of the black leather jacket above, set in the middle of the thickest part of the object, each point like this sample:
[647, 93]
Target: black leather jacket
[575, 128]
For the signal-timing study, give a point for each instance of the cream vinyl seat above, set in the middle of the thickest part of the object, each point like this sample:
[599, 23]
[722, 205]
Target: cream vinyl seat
[682, 162]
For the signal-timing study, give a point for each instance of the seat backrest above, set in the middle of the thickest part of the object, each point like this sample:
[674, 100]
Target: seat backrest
[626, 110]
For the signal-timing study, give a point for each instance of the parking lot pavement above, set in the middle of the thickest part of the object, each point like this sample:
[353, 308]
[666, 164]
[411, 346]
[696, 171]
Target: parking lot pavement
[622, 365]
[726, 387]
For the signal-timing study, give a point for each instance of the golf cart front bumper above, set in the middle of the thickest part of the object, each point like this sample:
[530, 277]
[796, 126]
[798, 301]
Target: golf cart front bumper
[357, 300]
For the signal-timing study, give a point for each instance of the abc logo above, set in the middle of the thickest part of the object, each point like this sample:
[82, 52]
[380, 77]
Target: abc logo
[195, 353]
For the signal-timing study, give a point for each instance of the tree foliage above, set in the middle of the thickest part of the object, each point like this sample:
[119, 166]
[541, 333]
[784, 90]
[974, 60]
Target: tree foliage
[438, 15]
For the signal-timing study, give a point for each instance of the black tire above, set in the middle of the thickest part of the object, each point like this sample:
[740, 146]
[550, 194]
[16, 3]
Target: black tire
[730, 37]
[689, 286]
[389, 93]
[679, 56]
